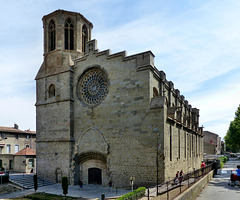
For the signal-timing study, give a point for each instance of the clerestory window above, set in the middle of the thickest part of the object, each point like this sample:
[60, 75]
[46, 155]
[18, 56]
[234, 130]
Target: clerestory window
[84, 38]
[52, 35]
[69, 34]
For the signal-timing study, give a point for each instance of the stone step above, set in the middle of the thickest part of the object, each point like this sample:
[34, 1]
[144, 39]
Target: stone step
[27, 182]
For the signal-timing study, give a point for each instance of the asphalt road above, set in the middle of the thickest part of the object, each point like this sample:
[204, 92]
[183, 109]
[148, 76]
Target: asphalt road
[218, 188]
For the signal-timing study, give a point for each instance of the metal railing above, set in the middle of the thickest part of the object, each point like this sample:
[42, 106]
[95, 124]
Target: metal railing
[174, 187]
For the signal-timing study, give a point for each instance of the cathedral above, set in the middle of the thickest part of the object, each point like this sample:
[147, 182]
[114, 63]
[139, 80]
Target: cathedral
[108, 117]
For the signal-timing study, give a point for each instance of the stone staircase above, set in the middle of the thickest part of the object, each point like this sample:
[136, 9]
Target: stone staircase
[26, 181]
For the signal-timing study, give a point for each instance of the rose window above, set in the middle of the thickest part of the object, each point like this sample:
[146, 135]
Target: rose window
[93, 86]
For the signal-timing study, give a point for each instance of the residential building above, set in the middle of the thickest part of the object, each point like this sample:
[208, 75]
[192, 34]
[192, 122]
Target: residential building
[13, 140]
[212, 143]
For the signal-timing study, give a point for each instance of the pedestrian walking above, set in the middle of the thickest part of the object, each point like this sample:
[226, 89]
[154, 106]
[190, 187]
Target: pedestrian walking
[81, 184]
[110, 186]
[176, 179]
[181, 175]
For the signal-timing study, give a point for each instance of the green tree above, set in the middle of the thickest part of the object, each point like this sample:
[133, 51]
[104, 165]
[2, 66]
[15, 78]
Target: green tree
[232, 137]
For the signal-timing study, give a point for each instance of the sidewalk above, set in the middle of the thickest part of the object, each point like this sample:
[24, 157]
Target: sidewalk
[89, 191]
[218, 188]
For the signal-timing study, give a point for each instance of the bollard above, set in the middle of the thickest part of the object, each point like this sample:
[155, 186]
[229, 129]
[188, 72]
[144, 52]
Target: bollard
[102, 196]
[116, 190]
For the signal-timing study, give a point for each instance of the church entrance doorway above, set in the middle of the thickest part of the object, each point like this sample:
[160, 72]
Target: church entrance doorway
[95, 176]
[58, 175]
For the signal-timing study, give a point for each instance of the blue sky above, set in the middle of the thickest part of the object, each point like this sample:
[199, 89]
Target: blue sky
[196, 43]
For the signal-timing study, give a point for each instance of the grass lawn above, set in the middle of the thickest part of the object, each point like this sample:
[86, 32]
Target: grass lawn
[45, 196]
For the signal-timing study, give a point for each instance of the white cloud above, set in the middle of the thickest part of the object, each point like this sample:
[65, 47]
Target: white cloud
[195, 43]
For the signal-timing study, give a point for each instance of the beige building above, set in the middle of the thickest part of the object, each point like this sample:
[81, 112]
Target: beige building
[25, 160]
[212, 143]
[13, 140]
[103, 116]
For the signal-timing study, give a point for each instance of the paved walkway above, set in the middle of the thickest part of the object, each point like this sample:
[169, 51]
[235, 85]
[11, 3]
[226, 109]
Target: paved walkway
[88, 191]
[218, 188]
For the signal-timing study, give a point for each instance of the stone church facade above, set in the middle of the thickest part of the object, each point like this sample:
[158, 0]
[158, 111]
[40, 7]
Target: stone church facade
[103, 116]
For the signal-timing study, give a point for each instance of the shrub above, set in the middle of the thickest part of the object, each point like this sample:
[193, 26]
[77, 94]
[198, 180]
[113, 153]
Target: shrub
[222, 161]
[35, 182]
[5, 179]
[65, 185]
[138, 193]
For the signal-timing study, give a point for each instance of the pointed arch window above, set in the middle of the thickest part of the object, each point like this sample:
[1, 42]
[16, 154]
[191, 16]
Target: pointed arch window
[52, 35]
[155, 92]
[84, 38]
[69, 34]
[51, 91]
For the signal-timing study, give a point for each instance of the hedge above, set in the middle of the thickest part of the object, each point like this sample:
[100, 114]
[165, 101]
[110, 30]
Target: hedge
[65, 185]
[138, 193]
[222, 161]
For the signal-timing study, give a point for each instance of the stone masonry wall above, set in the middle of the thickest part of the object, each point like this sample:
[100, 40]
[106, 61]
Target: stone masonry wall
[124, 118]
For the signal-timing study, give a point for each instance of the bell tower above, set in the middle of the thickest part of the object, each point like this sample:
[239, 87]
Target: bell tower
[65, 37]
[64, 30]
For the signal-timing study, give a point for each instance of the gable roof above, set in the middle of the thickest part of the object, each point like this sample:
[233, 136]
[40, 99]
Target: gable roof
[26, 152]
[15, 130]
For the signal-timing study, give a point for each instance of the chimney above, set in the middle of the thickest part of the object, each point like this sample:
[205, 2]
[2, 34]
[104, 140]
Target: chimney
[15, 126]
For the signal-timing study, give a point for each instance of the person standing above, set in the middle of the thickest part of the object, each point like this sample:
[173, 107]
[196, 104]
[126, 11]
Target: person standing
[202, 167]
[203, 164]
[238, 172]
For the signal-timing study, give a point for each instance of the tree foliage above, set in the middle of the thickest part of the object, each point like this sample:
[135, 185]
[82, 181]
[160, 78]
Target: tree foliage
[232, 137]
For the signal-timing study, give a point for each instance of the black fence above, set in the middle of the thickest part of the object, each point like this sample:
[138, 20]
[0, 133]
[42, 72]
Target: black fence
[172, 188]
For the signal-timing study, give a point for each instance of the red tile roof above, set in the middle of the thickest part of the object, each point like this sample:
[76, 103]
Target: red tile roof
[14, 130]
[26, 152]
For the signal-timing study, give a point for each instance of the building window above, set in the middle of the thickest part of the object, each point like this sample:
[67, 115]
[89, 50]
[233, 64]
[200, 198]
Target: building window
[16, 148]
[155, 92]
[179, 145]
[10, 164]
[196, 146]
[52, 35]
[51, 91]
[84, 38]
[8, 148]
[93, 86]
[31, 163]
[27, 137]
[170, 142]
[190, 145]
[2, 135]
[16, 136]
[69, 34]
[185, 143]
